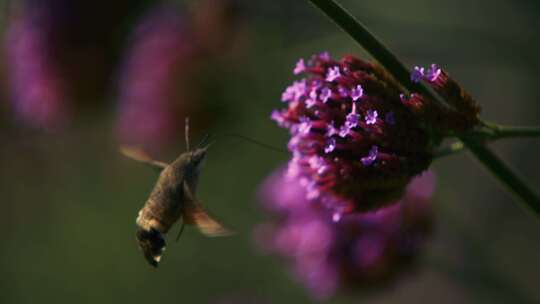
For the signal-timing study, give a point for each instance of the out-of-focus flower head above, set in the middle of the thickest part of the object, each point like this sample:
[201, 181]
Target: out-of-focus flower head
[159, 83]
[37, 85]
[361, 250]
[59, 57]
[355, 144]
[154, 79]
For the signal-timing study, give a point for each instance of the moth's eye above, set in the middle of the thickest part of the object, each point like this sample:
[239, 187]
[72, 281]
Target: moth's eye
[199, 158]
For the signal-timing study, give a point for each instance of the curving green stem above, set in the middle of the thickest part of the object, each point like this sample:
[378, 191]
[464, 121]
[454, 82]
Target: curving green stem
[374, 47]
[389, 61]
[506, 176]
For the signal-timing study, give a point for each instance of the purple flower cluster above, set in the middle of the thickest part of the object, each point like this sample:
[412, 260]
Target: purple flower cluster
[59, 61]
[158, 84]
[359, 250]
[38, 88]
[355, 144]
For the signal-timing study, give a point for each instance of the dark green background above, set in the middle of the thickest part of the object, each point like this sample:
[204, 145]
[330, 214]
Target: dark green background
[69, 201]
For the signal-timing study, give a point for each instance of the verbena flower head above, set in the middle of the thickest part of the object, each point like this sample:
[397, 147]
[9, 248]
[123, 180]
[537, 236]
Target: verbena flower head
[355, 143]
[359, 251]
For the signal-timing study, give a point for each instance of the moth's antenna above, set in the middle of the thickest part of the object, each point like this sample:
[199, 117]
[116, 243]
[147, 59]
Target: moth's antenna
[205, 139]
[186, 131]
[256, 142]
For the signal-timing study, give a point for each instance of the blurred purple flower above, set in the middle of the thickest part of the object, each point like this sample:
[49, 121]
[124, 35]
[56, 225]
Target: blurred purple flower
[152, 83]
[359, 250]
[37, 85]
[363, 161]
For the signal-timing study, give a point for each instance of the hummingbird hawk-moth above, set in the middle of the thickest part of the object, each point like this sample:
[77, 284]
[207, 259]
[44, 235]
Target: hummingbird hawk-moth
[172, 198]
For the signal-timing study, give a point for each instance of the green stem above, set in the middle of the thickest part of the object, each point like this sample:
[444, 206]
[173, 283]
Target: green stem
[362, 35]
[492, 133]
[374, 47]
[505, 175]
[500, 132]
[389, 61]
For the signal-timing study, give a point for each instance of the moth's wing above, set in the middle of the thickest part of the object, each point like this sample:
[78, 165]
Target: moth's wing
[195, 214]
[139, 155]
[207, 225]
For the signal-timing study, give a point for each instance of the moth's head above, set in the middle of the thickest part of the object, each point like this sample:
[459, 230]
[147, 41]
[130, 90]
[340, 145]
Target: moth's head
[198, 156]
[152, 244]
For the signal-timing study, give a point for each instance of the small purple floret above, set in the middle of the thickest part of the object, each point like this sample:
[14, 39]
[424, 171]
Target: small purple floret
[330, 145]
[403, 97]
[357, 93]
[331, 129]
[352, 120]
[305, 126]
[333, 74]
[313, 94]
[343, 131]
[300, 67]
[310, 103]
[294, 91]
[300, 88]
[372, 156]
[312, 100]
[288, 95]
[371, 117]
[417, 74]
[433, 73]
[326, 93]
[278, 117]
[324, 56]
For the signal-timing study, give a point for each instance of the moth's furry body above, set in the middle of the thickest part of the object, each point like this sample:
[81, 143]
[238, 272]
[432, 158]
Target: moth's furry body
[168, 199]
[172, 198]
